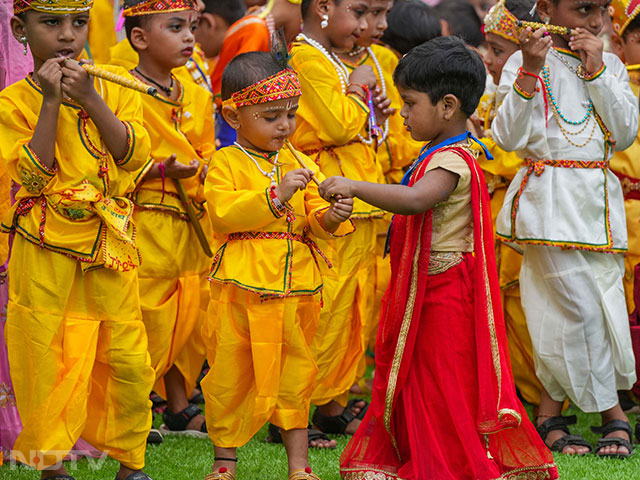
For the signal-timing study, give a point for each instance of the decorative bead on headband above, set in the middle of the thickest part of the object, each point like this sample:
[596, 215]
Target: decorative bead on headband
[283, 84]
[622, 13]
[159, 6]
[500, 21]
[61, 7]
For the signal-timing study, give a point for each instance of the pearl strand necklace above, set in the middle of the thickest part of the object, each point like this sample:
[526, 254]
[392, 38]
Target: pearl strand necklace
[270, 175]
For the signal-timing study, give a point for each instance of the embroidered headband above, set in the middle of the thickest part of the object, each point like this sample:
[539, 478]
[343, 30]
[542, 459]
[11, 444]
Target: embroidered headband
[500, 21]
[159, 6]
[61, 7]
[622, 13]
[283, 84]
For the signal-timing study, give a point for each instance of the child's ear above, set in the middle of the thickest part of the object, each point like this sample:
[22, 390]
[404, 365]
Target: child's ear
[139, 39]
[17, 28]
[230, 114]
[322, 7]
[617, 42]
[544, 9]
[449, 106]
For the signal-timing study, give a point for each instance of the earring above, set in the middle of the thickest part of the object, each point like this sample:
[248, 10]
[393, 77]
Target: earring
[23, 40]
[546, 20]
[325, 21]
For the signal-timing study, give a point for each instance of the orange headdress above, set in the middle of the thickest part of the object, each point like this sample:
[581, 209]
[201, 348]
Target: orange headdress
[283, 84]
[159, 6]
[622, 13]
[500, 21]
[61, 7]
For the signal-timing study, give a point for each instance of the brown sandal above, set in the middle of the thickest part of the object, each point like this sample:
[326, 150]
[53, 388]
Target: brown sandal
[305, 474]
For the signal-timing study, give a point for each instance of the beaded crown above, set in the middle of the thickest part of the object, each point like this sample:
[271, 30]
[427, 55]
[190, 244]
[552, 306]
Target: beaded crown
[61, 7]
[159, 6]
[622, 14]
[281, 85]
[500, 21]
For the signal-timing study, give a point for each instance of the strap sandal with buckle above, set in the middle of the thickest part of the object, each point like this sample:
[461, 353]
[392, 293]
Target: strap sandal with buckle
[176, 423]
[223, 473]
[313, 435]
[338, 423]
[305, 474]
[562, 423]
[604, 441]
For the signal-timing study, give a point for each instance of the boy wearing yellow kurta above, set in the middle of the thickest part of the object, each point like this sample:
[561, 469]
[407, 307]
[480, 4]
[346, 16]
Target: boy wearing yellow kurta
[501, 32]
[626, 25]
[264, 306]
[173, 287]
[332, 128]
[77, 345]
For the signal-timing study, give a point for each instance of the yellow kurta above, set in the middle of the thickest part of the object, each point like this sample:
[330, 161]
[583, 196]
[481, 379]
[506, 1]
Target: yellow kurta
[102, 30]
[173, 289]
[627, 163]
[328, 124]
[195, 70]
[76, 343]
[498, 173]
[263, 310]
[5, 204]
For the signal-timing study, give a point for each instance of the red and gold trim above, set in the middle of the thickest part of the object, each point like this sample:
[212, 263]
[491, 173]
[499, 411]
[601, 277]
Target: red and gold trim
[502, 22]
[283, 84]
[622, 13]
[159, 6]
[60, 7]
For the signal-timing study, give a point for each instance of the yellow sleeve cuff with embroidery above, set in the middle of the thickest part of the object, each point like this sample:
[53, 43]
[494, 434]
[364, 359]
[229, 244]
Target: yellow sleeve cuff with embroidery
[34, 175]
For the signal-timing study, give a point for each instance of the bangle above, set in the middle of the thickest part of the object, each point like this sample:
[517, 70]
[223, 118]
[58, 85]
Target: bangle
[364, 88]
[275, 200]
[523, 93]
[589, 77]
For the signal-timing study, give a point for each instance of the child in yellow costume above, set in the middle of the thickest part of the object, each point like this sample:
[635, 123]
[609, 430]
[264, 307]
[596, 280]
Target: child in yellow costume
[265, 280]
[395, 147]
[173, 287]
[76, 341]
[625, 39]
[332, 128]
[501, 33]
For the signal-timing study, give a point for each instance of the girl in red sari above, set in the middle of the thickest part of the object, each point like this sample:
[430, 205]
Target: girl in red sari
[443, 403]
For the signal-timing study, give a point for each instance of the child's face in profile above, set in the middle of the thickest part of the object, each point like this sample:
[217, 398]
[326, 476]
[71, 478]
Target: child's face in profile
[376, 22]
[498, 52]
[266, 126]
[588, 14]
[421, 116]
[51, 35]
[169, 37]
[628, 47]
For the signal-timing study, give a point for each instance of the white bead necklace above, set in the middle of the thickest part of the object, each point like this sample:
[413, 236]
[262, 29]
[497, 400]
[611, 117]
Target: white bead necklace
[341, 70]
[270, 175]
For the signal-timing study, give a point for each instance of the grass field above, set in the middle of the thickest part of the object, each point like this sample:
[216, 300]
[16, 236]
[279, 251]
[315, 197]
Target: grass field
[189, 458]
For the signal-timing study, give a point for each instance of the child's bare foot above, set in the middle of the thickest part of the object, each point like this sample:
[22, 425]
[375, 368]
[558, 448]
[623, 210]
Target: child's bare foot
[224, 463]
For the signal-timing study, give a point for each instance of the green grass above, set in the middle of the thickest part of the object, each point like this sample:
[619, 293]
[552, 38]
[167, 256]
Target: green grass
[189, 458]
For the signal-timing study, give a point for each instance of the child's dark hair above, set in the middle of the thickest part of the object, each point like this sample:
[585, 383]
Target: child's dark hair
[463, 20]
[135, 21]
[304, 6]
[521, 9]
[229, 10]
[634, 26]
[411, 23]
[247, 69]
[442, 66]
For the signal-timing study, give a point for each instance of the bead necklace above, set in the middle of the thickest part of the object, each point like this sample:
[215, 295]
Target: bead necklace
[579, 71]
[343, 73]
[554, 103]
[166, 90]
[270, 175]
[356, 52]
[383, 87]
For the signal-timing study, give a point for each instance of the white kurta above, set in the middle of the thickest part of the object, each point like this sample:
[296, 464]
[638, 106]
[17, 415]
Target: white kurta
[574, 300]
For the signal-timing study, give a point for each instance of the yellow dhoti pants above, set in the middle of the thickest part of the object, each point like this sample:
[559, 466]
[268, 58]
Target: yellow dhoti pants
[348, 295]
[261, 366]
[174, 294]
[78, 355]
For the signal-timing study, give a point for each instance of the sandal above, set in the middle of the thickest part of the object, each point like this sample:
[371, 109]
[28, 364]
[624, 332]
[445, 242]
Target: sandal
[223, 473]
[610, 427]
[176, 423]
[338, 424]
[154, 437]
[61, 477]
[137, 476]
[312, 435]
[305, 474]
[561, 423]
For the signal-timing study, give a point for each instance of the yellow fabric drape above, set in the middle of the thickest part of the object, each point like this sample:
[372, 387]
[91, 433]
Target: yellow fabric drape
[80, 158]
[5, 204]
[498, 173]
[626, 162]
[173, 287]
[102, 30]
[78, 355]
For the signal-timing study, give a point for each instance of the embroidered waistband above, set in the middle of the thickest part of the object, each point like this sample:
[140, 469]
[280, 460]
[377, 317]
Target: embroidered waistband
[313, 247]
[440, 262]
[537, 166]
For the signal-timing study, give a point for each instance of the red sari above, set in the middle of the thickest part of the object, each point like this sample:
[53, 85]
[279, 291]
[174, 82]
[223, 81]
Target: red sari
[443, 403]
